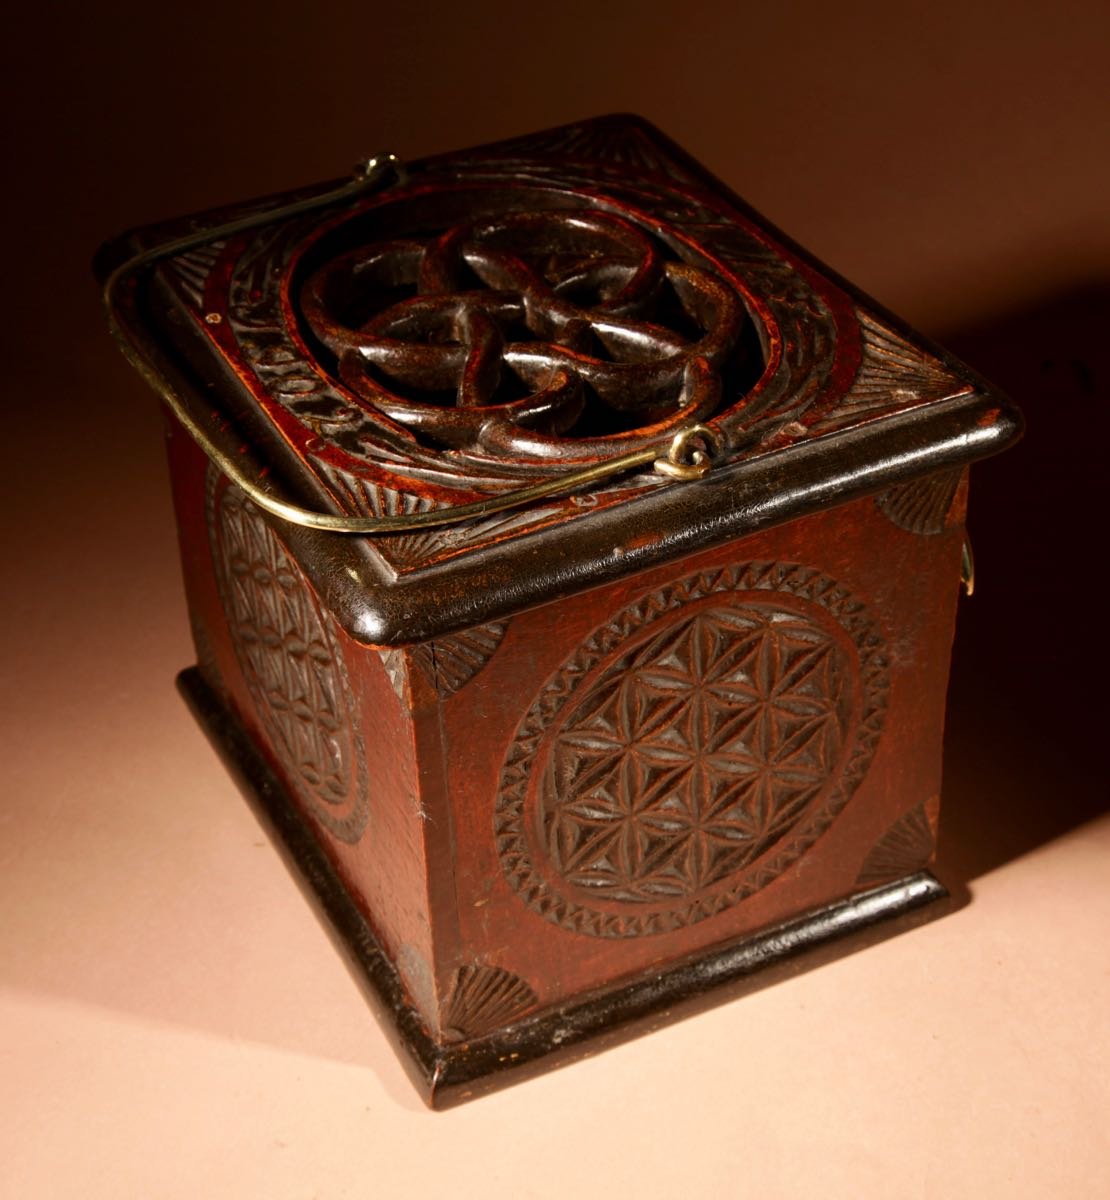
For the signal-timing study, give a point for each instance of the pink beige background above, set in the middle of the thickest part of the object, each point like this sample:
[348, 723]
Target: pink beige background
[173, 1023]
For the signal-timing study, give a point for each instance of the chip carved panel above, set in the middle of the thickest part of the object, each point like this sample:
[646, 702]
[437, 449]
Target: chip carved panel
[291, 663]
[692, 749]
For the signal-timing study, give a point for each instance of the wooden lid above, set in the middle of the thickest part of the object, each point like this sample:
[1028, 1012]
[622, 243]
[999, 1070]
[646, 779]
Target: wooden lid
[516, 312]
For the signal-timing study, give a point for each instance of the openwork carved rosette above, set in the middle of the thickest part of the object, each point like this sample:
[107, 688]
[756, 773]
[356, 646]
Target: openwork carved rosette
[292, 667]
[549, 335]
[691, 750]
[520, 311]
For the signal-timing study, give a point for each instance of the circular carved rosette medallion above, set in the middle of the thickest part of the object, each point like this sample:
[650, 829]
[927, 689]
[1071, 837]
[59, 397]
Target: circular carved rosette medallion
[547, 335]
[291, 663]
[691, 750]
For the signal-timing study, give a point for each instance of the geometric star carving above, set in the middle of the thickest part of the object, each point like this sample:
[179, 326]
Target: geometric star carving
[694, 754]
[698, 743]
[293, 670]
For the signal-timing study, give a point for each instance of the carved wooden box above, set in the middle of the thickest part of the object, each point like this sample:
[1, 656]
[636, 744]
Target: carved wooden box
[632, 731]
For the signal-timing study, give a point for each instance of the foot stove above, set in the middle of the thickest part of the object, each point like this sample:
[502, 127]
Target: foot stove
[572, 565]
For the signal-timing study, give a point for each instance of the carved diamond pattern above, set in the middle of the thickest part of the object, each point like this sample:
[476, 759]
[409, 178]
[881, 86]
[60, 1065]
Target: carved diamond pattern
[691, 750]
[291, 666]
[698, 752]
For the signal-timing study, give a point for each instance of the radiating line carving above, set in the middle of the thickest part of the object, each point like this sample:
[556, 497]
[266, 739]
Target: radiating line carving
[921, 505]
[482, 999]
[906, 847]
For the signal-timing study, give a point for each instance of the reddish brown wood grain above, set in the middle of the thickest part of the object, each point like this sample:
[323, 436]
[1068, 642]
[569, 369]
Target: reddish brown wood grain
[557, 769]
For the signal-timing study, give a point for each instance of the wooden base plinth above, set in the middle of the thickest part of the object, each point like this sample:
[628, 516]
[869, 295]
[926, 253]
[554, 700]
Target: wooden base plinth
[448, 1074]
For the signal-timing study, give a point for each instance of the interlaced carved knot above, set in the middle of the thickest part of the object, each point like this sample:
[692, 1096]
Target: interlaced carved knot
[536, 335]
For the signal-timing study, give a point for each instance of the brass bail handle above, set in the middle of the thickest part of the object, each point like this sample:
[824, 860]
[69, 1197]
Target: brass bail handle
[688, 456]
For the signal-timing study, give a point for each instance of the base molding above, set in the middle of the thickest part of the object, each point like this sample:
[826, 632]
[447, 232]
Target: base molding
[449, 1074]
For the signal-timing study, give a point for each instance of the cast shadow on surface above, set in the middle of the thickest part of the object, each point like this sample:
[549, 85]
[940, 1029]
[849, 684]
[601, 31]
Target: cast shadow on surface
[1027, 707]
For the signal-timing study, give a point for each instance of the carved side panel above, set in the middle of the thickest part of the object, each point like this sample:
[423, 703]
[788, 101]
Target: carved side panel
[291, 663]
[691, 750]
